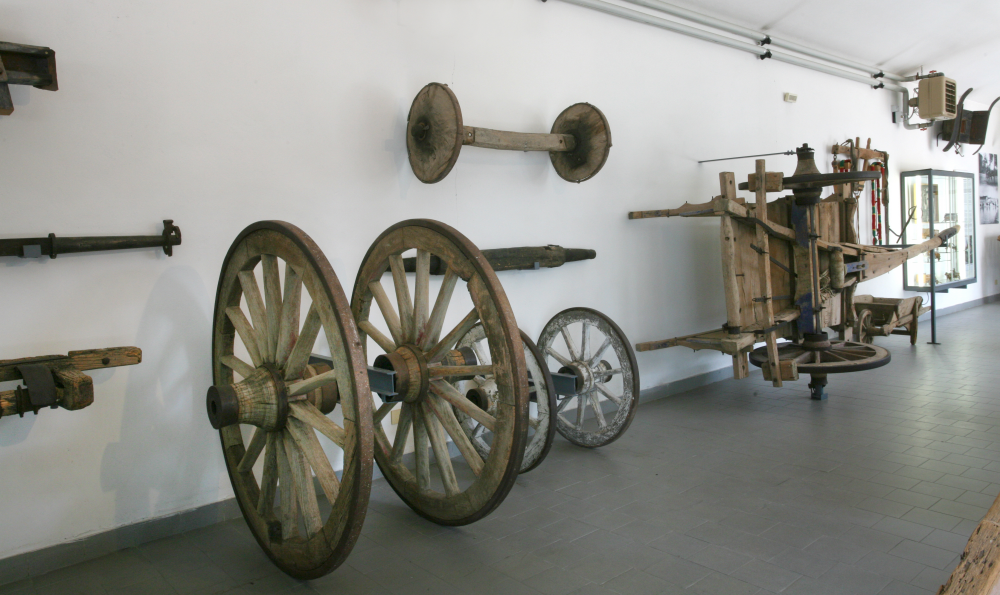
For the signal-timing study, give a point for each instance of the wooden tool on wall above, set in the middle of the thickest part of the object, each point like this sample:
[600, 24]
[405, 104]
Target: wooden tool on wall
[58, 380]
[578, 144]
[25, 65]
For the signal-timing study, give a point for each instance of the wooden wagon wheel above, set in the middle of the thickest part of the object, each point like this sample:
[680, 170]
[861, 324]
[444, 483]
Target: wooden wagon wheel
[841, 358]
[863, 327]
[607, 375]
[280, 402]
[482, 391]
[466, 489]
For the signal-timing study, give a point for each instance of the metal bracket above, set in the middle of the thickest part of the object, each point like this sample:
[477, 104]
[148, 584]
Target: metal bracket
[854, 267]
[564, 384]
[40, 384]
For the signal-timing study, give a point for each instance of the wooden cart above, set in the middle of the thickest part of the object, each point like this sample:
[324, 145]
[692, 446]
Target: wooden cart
[789, 274]
[881, 317]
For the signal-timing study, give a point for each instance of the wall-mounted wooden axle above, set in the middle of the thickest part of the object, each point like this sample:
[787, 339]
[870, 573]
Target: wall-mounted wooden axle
[578, 143]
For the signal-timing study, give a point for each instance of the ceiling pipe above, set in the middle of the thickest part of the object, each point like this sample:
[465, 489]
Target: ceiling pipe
[761, 37]
[761, 52]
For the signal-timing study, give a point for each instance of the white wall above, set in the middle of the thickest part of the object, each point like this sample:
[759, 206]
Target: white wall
[221, 113]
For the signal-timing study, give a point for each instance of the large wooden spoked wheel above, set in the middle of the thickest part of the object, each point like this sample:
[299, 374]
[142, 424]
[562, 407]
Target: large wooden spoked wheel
[841, 358]
[278, 301]
[589, 345]
[409, 336]
[482, 391]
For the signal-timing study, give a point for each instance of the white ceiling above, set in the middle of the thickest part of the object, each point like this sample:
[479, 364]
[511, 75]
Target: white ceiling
[958, 37]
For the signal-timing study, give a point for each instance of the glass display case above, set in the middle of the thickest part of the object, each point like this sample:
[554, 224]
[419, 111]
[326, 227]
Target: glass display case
[933, 201]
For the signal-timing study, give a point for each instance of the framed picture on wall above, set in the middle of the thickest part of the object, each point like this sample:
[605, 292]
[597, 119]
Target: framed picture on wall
[989, 202]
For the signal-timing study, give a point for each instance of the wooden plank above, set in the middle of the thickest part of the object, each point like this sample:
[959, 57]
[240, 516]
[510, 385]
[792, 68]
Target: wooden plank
[764, 266]
[517, 141]
[978, 570]
[734, 317]
[773, 181]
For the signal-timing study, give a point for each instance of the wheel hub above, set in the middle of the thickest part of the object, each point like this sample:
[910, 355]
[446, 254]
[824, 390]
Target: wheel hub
[410, 366]
[260, 399]
[584, 375]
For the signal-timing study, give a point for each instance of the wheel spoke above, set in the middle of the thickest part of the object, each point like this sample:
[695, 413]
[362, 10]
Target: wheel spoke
[585, 342]
[256, 445]
[581, 409]
[384, 410]
[846, 355]
[402, 431]
[307, 412]
[446, 416]
[421, 290]
[247, 334]
[387, 310]
[569, 343]
[440, 446]
[600, 351]
[831, 355]
[237, 365]
[420, 454]
[269, 478]
[288, 326]
[432, 330]
[299, 356]
[595, 403]
[533, 422]
[449, 393]
[272, 300]
[564, 403]
[403, 300]
[558, 357]
[255, 303]
[464, 371]
[477, 349]
[312, 383]
[384, 342]
[604, 391]
[307, 441]
[289, 504]
[449, 340]
[304, 489]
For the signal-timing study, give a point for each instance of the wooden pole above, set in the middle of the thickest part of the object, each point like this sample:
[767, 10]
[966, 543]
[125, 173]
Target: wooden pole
[765, 277]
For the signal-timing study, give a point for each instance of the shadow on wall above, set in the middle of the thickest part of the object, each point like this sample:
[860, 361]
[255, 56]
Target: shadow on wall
[165, 460]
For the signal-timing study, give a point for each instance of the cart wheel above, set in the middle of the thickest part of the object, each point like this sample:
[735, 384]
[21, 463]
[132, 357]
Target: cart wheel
[278, 400]
[425, 362]
[863, 327]
[607, 377]
[482, 389]
[842, 357]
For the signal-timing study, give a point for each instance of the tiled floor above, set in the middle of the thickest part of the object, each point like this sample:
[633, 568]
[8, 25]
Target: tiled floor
[734, 488]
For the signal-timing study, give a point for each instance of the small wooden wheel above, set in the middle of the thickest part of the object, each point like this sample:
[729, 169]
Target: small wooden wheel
[863, 327]
[842, 357]
[468, 488]
[482, 391]
[597, 352]
[434, 133]
[277, 406]
[590, 128]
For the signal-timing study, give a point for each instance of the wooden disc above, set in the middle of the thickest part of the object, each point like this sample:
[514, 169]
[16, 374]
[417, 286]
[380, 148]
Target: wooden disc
[585, 342]
[593, 142]
[434, 133]
[421, 330]
[304, 534]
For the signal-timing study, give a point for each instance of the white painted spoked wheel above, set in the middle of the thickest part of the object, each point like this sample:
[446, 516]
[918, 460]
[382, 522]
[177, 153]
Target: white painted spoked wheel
[271, 406]
[585, 343]
[482, 390]
[408, 335]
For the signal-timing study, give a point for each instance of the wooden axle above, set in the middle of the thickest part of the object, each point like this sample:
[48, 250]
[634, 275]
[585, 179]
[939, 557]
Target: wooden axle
[578, 143]
[65, 385]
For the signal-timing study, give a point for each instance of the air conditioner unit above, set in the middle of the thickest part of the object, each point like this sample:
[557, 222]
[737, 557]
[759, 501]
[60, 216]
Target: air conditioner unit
[937, 98]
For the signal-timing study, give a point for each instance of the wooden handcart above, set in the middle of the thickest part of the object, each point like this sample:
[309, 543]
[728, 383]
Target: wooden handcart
[788, 274]
[881, 317]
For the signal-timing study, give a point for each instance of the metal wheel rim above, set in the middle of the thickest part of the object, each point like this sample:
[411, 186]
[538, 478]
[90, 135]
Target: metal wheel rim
[482, 493]
[629, 374]
[541, 430]
[317, 554]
